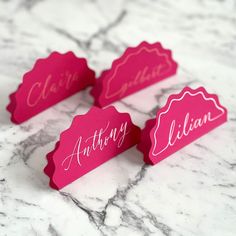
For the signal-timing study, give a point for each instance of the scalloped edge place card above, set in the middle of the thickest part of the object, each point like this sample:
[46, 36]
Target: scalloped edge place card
[136, 69]
[91, 140]
[185, 117]
[51, 80]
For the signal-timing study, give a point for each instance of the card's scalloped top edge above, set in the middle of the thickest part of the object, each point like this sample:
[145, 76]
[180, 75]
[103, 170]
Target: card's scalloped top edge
[50, 167]
[12, 105]
[177, 96]
[101, 80]
[192, 91]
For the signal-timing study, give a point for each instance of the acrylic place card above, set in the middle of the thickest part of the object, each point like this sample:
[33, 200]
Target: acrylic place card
[136, 69]
[185, 117]
[50, 81]
[91, 140]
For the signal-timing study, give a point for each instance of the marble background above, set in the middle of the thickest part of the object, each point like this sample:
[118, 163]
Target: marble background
[193, 192]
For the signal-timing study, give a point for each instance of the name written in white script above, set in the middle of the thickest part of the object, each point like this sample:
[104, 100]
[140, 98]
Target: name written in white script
[101, 139]
[144, 75]
[41, 90]
[177, 130]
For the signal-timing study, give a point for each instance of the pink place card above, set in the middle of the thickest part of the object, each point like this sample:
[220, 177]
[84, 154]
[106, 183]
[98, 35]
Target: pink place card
[186, 117]
[136, 69]
[91, 140]
[50, 81]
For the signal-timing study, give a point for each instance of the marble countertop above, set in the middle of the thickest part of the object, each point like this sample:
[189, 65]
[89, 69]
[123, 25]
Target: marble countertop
[193, 192]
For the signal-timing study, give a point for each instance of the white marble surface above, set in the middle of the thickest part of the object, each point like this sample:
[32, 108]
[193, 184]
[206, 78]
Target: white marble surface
[193, 192]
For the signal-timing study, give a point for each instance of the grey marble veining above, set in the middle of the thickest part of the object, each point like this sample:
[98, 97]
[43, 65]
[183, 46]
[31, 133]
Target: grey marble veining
[193, 192]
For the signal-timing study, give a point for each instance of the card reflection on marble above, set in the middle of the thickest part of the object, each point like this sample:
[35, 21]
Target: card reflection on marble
[186, 117]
